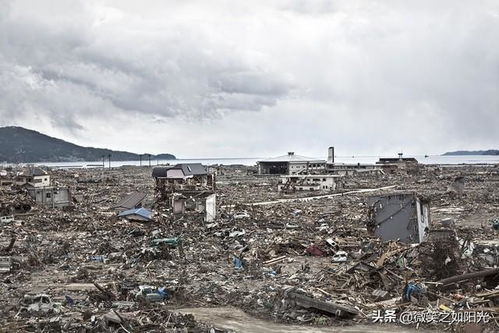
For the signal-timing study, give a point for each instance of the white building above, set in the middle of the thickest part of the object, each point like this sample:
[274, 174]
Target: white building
[293, 183]
[34, 177]
[290, 164]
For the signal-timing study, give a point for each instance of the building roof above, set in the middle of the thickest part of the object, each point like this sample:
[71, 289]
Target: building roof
[141, 212]
[160, 172]
[33, 172]
[188, 169]
[291, 157]
[131, 200]
[192, 169]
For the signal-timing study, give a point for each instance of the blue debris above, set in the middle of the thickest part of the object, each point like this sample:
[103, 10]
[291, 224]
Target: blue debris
[164, 292]
[69, 301]
[412, 290]
[238, 264]
[140, 213]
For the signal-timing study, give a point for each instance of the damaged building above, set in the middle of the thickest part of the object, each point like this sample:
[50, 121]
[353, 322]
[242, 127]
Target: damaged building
[37, 182]
[130, 201]
[51, 196]
[292, 183]
[348, 169]
[34, 177]
[186, 187]
[393, 164]
[399, 216]
[290, 164]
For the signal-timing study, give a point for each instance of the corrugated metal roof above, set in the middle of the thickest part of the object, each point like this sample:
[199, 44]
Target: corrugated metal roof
[194, 169]
[131, 200]
[189, 169]
[142, 212]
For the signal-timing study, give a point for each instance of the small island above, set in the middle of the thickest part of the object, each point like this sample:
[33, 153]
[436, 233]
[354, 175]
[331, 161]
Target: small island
[492, 152]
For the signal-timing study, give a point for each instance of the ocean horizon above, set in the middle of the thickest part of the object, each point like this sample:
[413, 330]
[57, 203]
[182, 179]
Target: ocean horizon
[249, 161]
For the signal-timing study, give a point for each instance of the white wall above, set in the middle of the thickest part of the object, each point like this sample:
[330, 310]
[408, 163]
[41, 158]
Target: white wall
[211, 208]
[41, 181]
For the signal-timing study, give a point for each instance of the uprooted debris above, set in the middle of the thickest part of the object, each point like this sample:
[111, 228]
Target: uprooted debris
[307, 262]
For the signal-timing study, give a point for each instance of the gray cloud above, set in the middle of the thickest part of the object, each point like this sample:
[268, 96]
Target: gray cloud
[371, 77]
[165, 72]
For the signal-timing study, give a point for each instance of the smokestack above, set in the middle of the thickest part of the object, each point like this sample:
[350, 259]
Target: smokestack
[330, 155]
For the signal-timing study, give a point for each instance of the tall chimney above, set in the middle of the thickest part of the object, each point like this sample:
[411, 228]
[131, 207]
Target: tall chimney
[330, 155]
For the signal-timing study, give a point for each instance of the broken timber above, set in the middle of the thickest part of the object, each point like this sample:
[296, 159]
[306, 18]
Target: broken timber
[328, 307]
[469, 276]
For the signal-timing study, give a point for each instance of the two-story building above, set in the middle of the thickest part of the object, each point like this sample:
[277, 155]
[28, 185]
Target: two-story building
[186, 186]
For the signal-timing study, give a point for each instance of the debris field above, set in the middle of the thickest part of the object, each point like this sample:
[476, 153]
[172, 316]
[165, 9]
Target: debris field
[304, 258]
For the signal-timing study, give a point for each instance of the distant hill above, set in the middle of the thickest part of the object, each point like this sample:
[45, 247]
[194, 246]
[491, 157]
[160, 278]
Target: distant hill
[21, 145]
[473, 152]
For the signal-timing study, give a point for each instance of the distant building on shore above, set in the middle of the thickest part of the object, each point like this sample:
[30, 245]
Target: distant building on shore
[290, 164]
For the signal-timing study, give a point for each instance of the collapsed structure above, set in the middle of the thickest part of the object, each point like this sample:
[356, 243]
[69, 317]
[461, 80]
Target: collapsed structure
[38, 184]
[399, 216]
[394, 164]
[308, 182]
[287, 256]
[186, 187]
[33, 177]
[130, 201]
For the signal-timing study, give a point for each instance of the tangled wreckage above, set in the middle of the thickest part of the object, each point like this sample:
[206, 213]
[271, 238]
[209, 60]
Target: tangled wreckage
[132, 249]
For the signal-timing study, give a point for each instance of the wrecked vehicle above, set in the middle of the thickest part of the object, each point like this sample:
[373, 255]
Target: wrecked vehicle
[151, 294]
[340, 256]
[39, 303]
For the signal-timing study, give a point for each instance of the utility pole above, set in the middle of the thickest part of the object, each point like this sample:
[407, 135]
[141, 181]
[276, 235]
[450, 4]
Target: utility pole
[109, 156]
[140, 159]
[149, 160]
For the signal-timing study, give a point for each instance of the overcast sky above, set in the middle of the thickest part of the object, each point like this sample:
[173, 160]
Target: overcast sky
[214, 78]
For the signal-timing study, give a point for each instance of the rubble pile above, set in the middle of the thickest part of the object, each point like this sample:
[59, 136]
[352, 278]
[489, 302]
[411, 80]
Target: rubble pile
[312, 262]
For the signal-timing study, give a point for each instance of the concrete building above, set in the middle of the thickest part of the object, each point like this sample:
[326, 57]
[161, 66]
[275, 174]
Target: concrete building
[394, 164]
[348, 169]
[290, 164]
[51, 196]
[291, 183]
[397, 160]
[399, 216]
